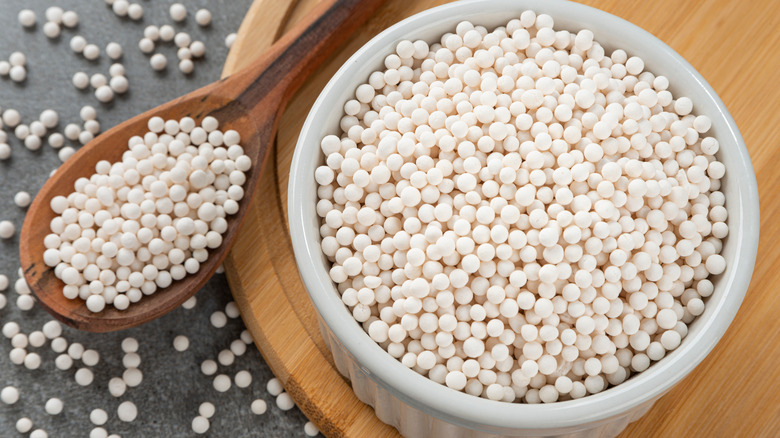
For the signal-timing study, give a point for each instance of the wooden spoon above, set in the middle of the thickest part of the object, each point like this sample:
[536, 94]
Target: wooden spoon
[250, 102]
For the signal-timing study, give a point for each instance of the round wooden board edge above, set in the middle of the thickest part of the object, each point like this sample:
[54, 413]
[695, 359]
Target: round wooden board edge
[319, 408]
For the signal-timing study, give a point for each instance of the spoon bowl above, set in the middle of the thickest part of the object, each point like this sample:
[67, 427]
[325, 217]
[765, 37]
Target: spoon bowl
[248, 102]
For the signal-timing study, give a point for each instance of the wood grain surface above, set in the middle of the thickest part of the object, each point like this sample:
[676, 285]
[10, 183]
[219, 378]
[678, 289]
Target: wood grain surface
[736, 389]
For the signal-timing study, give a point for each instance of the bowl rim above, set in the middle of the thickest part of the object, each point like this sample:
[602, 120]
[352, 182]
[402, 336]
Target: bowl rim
[474, 412]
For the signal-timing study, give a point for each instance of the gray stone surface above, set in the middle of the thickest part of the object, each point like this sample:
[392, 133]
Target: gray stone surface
[173, 386]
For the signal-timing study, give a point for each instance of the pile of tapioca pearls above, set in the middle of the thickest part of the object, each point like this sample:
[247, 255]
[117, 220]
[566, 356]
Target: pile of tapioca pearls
[514, 214]
[139, 224]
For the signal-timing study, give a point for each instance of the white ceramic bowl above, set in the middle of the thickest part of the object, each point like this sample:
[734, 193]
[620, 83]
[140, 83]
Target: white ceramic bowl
[419, 407]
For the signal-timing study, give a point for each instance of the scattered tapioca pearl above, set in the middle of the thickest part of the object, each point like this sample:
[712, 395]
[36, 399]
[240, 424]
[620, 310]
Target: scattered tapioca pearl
[65, 153]
[182, 40]
[19, 340]
[91, 52]
[59, 345]
[274, 387]
[88, 112]
[200, 425]
[24, 425]
[208, 367]
[18, 73]
[22, 131]
[127, 411]
[310, 429]
[230, 39]
[131, 360]
[22, 199]
[72, 131]
[9, 395]
[166, 33]
[17, 59]
[98, 80]
[116, 386]
[32, 361]
[25, 302]
[231, 310]
[84, 376]
[17, 355]
[54, 14]
[104, 94]
[81, 80]
[114, 50]
[70, 19]
[197, 49]
[132, 377]
[119, 84]
[135, 11]
[189, 303]
[36, 339]
[181, 343]
[222, 382]
[246, 337]
[32, 142]
[5, 151]
[92, 126]
[284, 401]
[85, 137]
[90, 358]
[98, 432]
[20, 285]
[98, 417]
[51, 30]
[178, 12]
[218, 319]
[116, 69]
[11, 118]
[37, 128]
[186, 66]
[184, 53]
[53, 406]
[7, 229]
[27, 18]
[146, 45]
[226, 357]
[120, 7]
[39, 433]
[259, 407]
[10, 329]
[203, 17]
[49, 118]
[152, 32]
[243, 379]
[63, 362]
[78, 43]
[238, 347]
[206, 409]
[158, 61]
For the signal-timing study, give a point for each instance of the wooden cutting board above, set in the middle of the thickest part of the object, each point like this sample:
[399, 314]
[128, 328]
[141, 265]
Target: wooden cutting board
[734, 392]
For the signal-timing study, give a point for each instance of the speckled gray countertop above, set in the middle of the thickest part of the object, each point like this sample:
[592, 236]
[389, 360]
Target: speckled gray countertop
[173, 386]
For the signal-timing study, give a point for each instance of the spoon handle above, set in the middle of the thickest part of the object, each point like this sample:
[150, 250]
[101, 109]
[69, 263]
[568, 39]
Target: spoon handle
[293, 58]
[252, 99]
